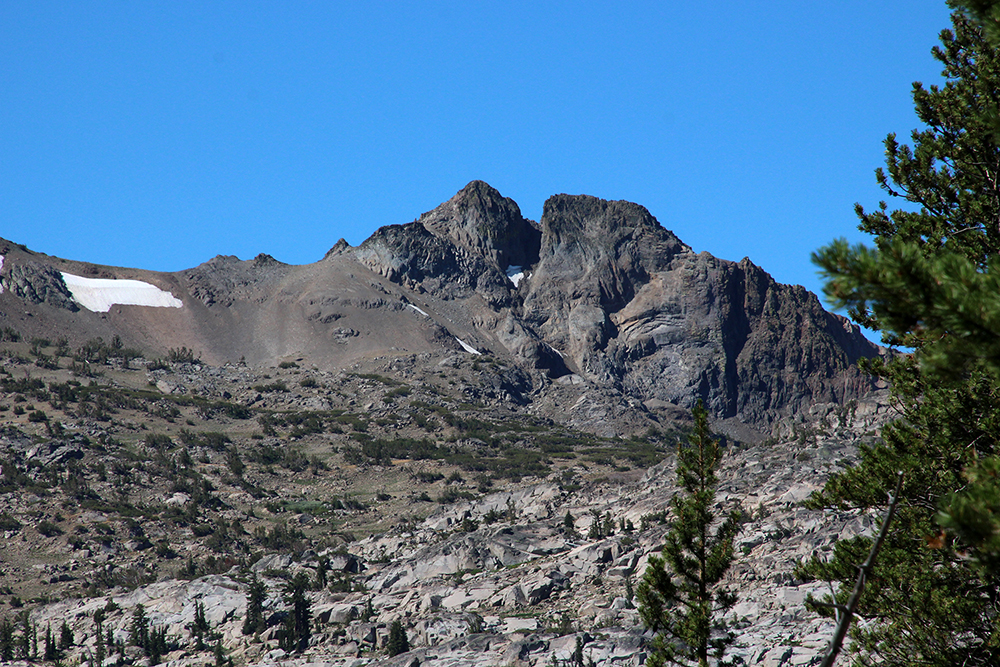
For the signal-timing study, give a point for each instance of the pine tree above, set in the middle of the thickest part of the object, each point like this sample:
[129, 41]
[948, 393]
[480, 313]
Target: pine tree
[139, 630]
[199, 627]
[51, 651]
[253, 621]
[927, 284]
[297, 628]
[24, 642]
[931, 281]
[680, 597]
[65, 636]
[398, 642]
[6, 640]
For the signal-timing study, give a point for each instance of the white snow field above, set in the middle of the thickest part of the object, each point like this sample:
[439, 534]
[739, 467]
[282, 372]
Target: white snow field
[99, 294]
[465, 346]
[515, 273]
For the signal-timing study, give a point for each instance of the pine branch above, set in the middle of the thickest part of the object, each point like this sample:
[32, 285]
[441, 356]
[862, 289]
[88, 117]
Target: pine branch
[848, 610]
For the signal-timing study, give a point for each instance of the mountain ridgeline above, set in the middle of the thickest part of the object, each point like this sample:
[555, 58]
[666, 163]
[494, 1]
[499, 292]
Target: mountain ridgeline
[596, 316]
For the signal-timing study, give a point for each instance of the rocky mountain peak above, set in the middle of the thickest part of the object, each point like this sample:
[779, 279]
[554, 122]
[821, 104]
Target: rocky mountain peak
[481, 220]
[622, 232]
[597, 253]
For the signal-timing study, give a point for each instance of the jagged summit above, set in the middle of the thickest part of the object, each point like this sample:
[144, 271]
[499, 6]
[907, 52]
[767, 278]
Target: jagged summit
[605, 317]
[481, 220]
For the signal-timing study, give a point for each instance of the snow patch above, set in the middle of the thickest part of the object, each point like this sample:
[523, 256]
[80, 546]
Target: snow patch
[1, 269]
[465, 346]
[515, 274]
[418, 310]
[99, 294]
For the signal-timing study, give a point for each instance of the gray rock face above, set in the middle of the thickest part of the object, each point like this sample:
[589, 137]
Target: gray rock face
[611, 297]
[38, 283]
[482, 221]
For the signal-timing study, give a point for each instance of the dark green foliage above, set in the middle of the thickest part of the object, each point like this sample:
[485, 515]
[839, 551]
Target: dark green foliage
[280, 538]
[234, 462]
[928, 284]
[398, 641]
[99, 651]
[221, 660]
[159, 441]
[7, 522]
[321, 571]
[271, 387]
[253, 622]
[199, 627]
[973, 514]
[181, 355]
[680, 597]
[48, 529]
[139, 629]
[9, 335]
[27, 642]
[297, 628]
[152, 641]
[928, 602]
[569, 523]
[65, 636]
[52, 652]
[6, 640]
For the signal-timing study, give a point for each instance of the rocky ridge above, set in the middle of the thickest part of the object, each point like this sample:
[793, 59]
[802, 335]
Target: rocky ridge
[598, 294]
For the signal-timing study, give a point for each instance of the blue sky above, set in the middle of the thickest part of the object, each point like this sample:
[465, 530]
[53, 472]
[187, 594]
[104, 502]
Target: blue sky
[159, 134]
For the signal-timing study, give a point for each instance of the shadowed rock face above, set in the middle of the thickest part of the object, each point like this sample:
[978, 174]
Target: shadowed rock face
[37, 283]
[612, 305]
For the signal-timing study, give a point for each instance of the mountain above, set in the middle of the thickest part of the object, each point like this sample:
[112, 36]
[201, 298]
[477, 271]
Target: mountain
[602, 316]
[465, 424]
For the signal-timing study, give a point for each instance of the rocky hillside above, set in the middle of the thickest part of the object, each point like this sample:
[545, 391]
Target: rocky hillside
[164, 489]
[461, 431]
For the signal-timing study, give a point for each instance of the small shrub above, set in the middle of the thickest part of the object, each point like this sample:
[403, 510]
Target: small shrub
[49, 529]
[7, 522]
[181, 355]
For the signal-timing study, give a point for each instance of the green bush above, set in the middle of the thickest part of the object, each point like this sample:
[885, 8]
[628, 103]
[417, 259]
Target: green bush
[7, 522]
[48, 529]
[181, 355]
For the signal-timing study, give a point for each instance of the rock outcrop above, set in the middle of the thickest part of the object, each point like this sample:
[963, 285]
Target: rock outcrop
[38, 283]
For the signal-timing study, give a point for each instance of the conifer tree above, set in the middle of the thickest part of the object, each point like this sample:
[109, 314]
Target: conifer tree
[929, 284]
[199, 627]
[6, 640]
[398, 642]
[253, 621]
[680, 596]
[297, 628]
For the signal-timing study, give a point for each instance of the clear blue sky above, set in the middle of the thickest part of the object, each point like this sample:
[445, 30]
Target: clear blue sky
[159, 134]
